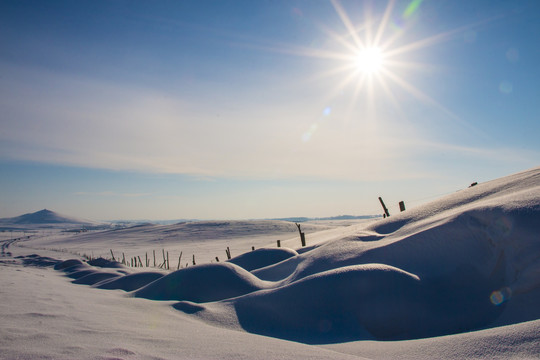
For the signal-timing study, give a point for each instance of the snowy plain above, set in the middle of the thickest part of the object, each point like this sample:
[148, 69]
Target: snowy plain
[455, 278]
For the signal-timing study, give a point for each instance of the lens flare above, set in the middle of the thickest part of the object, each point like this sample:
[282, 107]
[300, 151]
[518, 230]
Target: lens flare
[315, 126]
[308, 134]
[412, 8]
[327, 110]
[504, 225]
[500, 296]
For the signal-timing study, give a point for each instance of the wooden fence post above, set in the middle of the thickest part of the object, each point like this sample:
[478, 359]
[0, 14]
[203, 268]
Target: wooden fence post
[384, 207]
[179, 259]
[302, 235]
[401, 206]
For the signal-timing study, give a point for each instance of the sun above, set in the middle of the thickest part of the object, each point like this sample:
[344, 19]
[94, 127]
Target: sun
[375, 54]
[369, 61]
[372, 57]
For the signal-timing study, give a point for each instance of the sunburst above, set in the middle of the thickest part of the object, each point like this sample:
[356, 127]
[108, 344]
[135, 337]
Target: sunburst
[371, 59]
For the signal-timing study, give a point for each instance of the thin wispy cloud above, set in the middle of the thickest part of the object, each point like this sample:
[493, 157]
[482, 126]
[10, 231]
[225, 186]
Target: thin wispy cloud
[96, 124]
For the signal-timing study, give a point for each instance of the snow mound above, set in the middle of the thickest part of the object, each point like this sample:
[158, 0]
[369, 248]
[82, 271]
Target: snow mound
[36, 260]
[347, 303]
[68, 264]
[262, 257]
[202, 283]
[130, 282]
[104, 263]
[77, 268]
[81, 273]
[94, 278]
[370, 301]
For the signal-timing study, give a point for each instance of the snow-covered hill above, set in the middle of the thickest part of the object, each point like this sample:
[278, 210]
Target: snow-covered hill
[45, 219]
[455, 278]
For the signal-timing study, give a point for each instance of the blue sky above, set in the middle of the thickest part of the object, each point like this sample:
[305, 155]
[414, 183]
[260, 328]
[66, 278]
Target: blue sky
[255, 109]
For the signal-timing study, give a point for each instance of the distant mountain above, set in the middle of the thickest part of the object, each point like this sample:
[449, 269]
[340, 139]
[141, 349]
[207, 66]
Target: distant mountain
[46, 218]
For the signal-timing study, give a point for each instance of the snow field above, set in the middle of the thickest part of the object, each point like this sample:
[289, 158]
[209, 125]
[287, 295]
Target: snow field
[466, 264]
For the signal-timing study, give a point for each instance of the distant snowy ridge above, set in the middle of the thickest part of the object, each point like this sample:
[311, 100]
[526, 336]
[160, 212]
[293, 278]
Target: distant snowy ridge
[297, 219]
[339, 217]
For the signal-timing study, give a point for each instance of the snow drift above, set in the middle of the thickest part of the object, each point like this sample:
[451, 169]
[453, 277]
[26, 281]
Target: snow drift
[465, 262]
[203, 283]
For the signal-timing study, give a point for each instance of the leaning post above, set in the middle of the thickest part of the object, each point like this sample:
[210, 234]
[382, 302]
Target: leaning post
[384, 207]
[302, 235]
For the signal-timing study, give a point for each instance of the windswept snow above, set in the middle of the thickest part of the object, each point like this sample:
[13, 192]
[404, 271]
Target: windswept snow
[455, 278]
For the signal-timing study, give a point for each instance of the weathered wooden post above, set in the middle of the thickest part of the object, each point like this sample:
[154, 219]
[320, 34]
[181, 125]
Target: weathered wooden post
[194, 259]
[154, 257]
[279, 243]
[112, 255]
[384, 207]
[217, 259]
[302, 235]
[401, 206]
[228, 252]
[179, 259]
